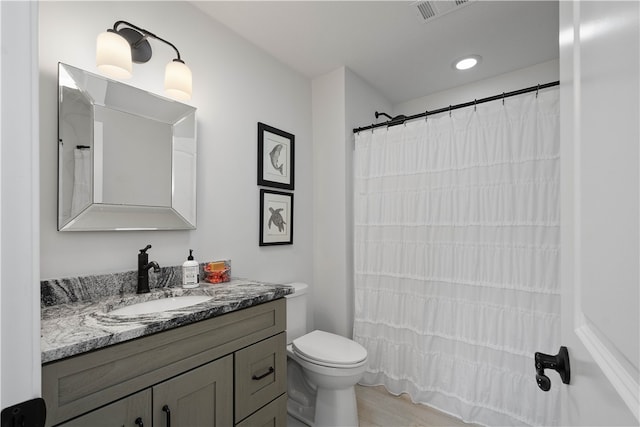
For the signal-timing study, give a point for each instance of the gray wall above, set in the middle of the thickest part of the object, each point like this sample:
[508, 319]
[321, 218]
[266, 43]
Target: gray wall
[235, 85]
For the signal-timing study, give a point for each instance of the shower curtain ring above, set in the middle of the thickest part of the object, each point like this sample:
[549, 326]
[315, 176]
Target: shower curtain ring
[537, 89]
[475, 104]
[426, 115]
[502, 98]
[449, 110]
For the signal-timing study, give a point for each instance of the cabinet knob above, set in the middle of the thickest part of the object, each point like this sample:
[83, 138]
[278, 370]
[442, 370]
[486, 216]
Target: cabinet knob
[139, 422]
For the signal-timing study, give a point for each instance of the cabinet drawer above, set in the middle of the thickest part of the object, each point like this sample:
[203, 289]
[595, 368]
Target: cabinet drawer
[260, 375]
[272, 415]
[124, 413]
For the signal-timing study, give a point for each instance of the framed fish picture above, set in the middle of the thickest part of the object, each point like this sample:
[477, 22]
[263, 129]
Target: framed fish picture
[276, 218]
[275, 157]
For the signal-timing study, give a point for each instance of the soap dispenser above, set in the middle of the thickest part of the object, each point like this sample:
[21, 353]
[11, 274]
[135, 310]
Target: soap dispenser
[190, 273]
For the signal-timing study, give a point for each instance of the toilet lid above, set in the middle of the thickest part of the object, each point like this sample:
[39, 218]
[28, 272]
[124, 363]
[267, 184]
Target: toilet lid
[325, 347]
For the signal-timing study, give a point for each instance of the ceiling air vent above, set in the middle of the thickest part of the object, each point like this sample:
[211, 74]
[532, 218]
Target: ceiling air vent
[426, 10]
[429, 10]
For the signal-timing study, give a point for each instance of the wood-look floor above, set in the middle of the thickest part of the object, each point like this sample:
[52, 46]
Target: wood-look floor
[378, 408]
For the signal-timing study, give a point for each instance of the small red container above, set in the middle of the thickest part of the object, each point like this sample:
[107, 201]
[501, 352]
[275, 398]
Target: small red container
[216, 272]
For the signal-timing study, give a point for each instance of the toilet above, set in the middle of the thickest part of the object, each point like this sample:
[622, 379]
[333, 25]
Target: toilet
[322, 369]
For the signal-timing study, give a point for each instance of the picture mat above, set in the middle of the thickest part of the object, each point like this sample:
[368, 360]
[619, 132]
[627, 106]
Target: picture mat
[269, 172]
[271, 234]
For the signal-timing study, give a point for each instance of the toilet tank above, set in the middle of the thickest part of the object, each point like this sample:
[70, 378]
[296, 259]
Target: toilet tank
[297, 311]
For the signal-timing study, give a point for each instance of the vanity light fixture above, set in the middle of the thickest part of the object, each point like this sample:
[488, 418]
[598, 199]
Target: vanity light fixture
[467, 62]
[116, 49]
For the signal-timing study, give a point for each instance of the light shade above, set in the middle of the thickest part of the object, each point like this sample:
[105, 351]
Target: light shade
[113, 55]
[177, 80]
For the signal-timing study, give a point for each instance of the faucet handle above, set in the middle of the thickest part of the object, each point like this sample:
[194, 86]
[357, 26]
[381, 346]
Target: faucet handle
[144, 250]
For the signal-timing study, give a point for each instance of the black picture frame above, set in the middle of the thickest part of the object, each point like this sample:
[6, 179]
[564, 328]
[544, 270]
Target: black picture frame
[276, 218]
[276, 157]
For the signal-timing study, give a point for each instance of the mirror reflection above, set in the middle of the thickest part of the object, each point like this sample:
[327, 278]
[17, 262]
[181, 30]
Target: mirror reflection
[127, 158]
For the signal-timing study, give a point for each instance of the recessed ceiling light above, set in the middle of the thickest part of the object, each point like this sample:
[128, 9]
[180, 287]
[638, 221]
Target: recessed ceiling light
[467, 62]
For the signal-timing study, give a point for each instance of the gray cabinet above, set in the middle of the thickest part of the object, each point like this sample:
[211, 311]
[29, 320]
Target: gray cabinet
[189, 369]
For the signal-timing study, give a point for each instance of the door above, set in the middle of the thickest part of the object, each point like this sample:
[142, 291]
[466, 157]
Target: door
[202, 397]
[600, 114]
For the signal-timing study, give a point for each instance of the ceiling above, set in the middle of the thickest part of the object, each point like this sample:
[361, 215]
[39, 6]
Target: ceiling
[389, 46]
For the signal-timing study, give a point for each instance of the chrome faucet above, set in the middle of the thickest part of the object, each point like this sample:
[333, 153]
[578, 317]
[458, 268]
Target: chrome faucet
[143, 270]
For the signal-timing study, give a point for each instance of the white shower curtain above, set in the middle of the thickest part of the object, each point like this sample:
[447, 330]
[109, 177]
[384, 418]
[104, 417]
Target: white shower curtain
[456, 222]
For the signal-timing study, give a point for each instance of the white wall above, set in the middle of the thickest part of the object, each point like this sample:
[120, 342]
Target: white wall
[19, 278]
[235, 86]
[329, 294]
[544, 72]
[341, 99]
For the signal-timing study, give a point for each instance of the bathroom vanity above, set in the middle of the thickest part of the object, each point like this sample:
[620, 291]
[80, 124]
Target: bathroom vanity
[221, 362]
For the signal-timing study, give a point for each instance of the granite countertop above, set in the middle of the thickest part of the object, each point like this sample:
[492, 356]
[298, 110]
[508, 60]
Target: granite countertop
[75, 327]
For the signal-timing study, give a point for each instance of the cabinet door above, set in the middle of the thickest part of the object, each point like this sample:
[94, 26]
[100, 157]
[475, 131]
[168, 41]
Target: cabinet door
[202, 397]
[272, 415]
[123, 413]
[260, 374]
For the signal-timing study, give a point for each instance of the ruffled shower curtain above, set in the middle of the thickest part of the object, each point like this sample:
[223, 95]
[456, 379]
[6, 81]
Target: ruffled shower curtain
[456, 231]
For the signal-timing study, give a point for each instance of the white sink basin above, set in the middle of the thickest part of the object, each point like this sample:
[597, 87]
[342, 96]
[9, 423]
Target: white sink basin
[158, 305]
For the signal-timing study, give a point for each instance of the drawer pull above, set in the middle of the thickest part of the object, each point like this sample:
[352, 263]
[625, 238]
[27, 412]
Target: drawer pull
[138, 422]
[267, 373]
[166, 409]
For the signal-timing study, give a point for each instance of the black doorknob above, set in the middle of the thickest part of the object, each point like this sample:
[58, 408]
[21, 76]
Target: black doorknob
[558, 362]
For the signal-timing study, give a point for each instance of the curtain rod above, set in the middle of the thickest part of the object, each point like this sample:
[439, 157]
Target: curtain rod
[402, 119]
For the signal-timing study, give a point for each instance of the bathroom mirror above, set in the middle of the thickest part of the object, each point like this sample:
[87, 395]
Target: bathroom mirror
[126, 157]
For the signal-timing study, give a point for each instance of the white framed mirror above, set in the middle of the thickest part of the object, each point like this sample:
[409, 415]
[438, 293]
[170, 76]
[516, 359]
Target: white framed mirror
[126, 157]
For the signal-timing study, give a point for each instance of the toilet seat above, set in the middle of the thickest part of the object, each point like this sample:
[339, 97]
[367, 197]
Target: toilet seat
[327, 349]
